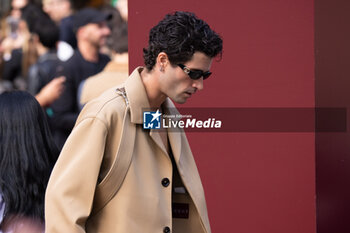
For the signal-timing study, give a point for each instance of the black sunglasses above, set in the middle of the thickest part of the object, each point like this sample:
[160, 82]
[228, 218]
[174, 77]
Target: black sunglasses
[195, 74]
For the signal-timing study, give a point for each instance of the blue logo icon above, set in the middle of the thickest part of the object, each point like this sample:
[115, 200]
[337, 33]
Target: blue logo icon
[151, 120]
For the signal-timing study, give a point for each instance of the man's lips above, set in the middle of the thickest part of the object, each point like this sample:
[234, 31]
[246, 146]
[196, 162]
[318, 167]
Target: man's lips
[189, 93]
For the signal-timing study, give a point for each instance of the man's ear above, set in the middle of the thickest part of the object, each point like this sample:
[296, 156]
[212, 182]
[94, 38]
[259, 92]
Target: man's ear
[162, 61]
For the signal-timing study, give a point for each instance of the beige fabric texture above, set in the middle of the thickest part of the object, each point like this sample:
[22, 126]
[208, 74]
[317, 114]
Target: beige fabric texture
[142, 204]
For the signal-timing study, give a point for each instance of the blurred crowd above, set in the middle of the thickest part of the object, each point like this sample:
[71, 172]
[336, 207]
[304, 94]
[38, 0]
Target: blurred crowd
[53, 60]
[51, 49]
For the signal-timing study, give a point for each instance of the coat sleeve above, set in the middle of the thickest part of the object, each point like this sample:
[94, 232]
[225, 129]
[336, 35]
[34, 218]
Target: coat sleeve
[70, 192]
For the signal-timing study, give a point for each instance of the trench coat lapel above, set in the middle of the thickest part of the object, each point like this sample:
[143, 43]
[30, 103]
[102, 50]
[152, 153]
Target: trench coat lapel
[158, 140]
[186, 165]
[174, 134]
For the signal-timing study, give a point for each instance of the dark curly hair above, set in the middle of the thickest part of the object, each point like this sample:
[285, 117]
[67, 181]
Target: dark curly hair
[180, 35]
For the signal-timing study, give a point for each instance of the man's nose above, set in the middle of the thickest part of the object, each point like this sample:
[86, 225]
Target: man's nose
[198, 84]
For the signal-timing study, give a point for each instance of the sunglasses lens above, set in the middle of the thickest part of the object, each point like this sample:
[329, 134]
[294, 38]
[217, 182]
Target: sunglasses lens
[196, 75]
[206, 75]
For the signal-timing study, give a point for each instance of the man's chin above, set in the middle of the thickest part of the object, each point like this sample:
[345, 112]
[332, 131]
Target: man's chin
[179, 100]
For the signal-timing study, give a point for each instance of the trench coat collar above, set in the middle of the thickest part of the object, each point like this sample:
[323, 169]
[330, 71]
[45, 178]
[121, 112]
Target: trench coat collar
[168, 108]
[138, 99]
[138, 102]
[137, 96]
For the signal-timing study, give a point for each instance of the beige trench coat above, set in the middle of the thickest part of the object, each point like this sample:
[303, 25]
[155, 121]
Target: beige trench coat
[142, 204]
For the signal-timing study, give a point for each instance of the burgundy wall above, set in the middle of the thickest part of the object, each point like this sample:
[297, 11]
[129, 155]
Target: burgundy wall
[254, 182]
[332, 46]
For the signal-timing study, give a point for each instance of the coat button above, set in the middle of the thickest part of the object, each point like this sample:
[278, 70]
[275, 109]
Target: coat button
[166, 230]
[165, 182]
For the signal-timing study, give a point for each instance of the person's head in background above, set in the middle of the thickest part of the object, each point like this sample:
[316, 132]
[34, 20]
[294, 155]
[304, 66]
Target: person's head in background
[117, 42]
[27, 156]
[46, 35]
[16, 6]
[119, 38]
[14, 17]
[31, 15]
[16, 22]
[58, 9]
[122, 6]
[91, 28]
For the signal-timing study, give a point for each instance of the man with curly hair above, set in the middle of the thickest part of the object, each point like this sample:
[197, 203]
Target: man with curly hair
[113, 175]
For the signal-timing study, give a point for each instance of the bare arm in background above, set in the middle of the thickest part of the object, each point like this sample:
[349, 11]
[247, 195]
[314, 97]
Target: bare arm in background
[51, 91]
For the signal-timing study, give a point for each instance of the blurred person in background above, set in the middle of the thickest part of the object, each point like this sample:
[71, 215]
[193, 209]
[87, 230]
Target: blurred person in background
[117, 70]
[16, 6]
[122, 6]
[33, 24]
[42, 73]
[14, 36]
[57, 9]
[91, 30]
[45, 38]
[17, 60]
[27, 156]
[61, 11]
[50, 92]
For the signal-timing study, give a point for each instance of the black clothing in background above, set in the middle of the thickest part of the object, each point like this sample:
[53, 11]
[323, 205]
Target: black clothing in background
[43, 71]
[13, 67]
[65, 108]
[66, 31]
